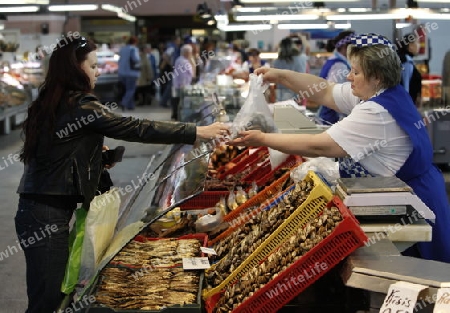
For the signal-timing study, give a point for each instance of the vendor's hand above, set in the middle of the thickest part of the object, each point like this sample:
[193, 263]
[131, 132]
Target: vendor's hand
[216, 130]
[249, 138]
[270, 75]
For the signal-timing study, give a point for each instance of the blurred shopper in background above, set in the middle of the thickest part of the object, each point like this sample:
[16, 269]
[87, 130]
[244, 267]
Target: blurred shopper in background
[254, 61]
[183, 74]
[408, 47]
[288, 59]
[145, 81]
[335, 70]
[129, 72]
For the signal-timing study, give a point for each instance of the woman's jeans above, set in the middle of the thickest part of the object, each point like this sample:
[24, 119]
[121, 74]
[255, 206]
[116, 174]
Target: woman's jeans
[43, 232]
[130, 89]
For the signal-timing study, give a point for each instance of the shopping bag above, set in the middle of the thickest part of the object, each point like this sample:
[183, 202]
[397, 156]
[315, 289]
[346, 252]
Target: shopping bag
[255, 113]
[100, 225]
[75, 246]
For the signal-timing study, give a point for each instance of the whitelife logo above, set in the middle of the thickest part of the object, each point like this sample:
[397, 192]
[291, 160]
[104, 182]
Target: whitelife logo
[306, 275]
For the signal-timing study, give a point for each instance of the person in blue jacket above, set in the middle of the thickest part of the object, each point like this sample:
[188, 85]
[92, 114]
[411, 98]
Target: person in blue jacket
[335, 70]
[379, 136]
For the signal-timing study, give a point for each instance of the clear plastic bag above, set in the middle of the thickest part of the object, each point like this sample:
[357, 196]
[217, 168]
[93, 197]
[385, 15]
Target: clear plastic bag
[327, 167]
[255, 113]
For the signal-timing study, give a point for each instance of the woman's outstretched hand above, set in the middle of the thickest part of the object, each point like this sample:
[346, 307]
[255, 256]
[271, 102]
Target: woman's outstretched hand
[215, 130]
[249, 138]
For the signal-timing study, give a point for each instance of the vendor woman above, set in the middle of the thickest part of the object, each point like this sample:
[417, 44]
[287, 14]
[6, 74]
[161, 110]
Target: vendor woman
[379, 136]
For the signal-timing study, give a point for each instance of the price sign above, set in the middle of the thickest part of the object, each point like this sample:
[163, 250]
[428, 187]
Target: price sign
[442, 304]
[196, 263]
[401, 298]
[208, 250]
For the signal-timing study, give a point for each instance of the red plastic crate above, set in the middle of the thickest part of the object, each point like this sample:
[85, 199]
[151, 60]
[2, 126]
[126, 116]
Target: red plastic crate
[206, 199]
[291, 162]
[244, 162]
[345, 238]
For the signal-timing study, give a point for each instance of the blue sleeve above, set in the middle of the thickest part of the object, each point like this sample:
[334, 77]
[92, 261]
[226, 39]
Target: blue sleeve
[135, 55]
[407, 74]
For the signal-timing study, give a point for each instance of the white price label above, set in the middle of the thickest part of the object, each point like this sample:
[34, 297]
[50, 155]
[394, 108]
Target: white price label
[208, 250]
[196, 263]
[401, 298]
[442, 304]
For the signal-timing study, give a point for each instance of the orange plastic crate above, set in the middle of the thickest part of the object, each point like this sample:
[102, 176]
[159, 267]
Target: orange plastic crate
[345, 238]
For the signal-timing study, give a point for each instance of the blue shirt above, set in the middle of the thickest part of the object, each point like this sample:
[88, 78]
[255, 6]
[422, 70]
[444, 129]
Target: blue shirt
[407, 72]
[126, 54]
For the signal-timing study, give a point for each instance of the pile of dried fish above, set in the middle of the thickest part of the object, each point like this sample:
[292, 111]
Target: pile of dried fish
[150, 289]
[299, 244]
[163, 252]
[235, 248]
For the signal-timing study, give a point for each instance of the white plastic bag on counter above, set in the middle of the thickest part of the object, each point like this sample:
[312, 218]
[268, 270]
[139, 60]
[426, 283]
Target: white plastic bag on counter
[255, 113]
[327, 167]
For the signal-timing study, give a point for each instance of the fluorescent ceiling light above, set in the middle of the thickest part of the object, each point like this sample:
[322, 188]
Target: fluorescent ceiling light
[248, 10]
[73, 7]
[21, 2]
[125, 16]
[277, 17]
[431, 16]
[341, 10]
[244, 27]
[112, 8]
[29, 8]
[288, 1]
[313, 26]
[402, 25]
[359, 10]
[359, 17]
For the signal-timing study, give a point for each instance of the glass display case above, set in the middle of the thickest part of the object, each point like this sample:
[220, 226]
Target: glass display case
[177, 175]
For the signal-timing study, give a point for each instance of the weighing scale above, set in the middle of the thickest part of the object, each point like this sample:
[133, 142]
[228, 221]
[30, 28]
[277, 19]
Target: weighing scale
[381, 198]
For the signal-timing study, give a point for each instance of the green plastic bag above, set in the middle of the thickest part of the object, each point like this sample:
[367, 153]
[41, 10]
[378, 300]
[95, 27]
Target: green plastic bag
[76, 238]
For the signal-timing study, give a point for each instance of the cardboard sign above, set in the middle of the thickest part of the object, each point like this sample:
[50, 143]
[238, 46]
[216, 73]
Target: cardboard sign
[442, 304]
[401, 298]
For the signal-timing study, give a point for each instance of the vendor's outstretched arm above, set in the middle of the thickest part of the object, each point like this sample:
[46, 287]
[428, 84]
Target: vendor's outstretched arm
[306, 145]
[307, 86]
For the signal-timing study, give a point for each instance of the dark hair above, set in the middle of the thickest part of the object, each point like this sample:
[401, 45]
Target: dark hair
[132, 40]
[286, 50]
[331, 44]
[402, 46]
[253, 52]
[64, 76]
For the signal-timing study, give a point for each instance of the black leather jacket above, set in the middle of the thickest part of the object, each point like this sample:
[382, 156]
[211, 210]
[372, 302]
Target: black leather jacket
[70, 162]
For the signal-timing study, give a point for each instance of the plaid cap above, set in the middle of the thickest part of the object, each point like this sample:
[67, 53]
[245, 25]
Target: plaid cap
[370, 39]
[344, 41]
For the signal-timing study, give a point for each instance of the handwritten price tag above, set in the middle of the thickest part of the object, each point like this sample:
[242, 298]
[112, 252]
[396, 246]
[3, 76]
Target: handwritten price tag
[196, 263]
[442, 304]
[401, 298]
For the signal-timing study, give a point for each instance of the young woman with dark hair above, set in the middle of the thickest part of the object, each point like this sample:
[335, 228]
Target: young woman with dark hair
[408, 47]
[62, 153]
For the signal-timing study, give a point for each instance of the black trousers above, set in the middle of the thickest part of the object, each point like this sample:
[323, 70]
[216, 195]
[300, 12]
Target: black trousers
[175, 102]
[43, 232]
